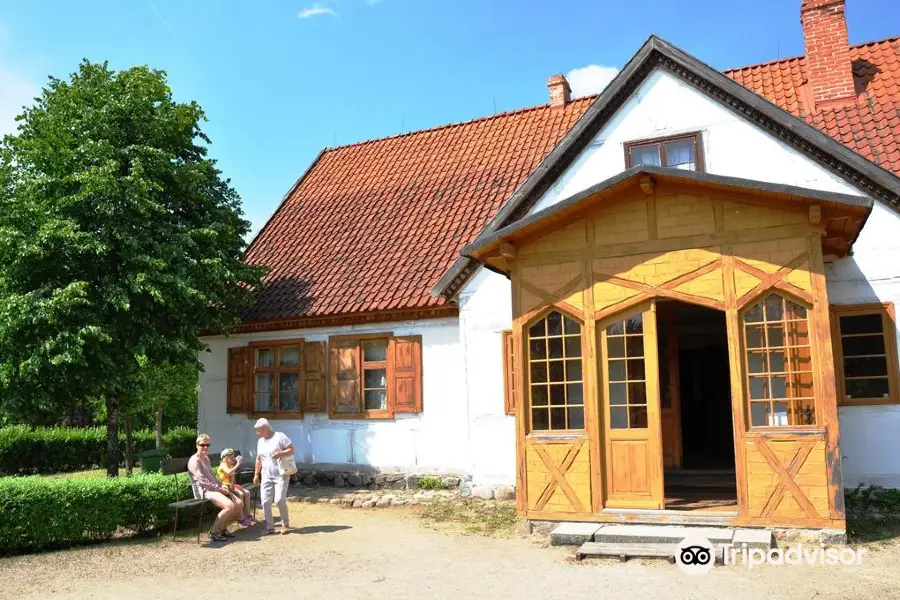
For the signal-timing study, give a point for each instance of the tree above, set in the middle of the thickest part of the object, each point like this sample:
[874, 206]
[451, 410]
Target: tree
[119, 240]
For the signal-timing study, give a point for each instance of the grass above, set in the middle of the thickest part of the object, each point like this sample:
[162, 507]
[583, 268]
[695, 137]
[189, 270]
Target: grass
[476, 517]
[430, 483]
[864, 530]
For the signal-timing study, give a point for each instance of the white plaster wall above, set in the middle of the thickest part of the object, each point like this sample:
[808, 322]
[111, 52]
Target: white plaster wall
[433, 441]
[870, 435]
[485, 311]
[662, 106]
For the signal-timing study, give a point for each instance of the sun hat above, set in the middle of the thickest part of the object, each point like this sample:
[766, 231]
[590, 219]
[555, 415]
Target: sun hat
[262, 424]
[227, 452]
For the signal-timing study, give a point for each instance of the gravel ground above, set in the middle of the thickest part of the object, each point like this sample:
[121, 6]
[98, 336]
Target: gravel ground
[337, 553]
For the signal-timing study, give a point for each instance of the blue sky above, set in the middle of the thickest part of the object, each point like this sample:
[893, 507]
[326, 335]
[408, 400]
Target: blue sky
[280, 79]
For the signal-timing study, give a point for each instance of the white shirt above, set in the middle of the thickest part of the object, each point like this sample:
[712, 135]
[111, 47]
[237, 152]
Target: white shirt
[265, 448]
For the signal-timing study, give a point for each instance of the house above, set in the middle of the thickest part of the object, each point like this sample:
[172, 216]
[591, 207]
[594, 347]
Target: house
[604, 301]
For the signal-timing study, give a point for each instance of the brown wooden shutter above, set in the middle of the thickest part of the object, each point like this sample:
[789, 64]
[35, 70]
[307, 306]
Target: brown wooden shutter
[314, 377]
[509, 372]
[405, 387]
[345, 384]
[238, 379]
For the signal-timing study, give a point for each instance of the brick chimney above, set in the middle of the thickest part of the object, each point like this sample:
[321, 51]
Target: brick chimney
[828, 65]
[560, 92]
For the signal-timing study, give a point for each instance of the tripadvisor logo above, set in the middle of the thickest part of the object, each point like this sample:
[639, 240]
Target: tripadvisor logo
[697, 555]
[795, 555]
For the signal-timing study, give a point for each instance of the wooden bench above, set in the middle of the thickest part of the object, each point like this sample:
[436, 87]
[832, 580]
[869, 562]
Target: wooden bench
[177, 466]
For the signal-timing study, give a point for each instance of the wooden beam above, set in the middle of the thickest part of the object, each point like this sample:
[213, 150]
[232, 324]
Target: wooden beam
[815, 214]
[648, 185]
[507, 250]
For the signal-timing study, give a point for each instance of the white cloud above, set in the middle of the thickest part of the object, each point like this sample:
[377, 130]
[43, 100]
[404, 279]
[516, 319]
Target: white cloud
[316, 10]
[15, 92]
[591, 79]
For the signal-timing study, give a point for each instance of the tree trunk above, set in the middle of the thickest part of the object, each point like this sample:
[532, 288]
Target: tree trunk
[129, 448]
[112, 435]
[159, 410]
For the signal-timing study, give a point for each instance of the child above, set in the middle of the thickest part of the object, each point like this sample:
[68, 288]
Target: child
[225, 472]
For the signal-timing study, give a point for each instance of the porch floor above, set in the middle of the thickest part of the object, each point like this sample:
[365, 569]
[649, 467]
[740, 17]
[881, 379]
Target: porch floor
[711, 499]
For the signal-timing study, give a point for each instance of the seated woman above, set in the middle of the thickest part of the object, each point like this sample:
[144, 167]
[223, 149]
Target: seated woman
[229, 505]
[226, 473]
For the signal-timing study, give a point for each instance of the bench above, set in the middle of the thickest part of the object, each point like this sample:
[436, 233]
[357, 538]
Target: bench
[175, 467]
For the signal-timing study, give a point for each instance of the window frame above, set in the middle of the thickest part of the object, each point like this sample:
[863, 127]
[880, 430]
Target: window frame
[365, 414]
[526, 376]
[889, 335]
[696, 137]
[275, 346]
[745, 364]
[507, 347]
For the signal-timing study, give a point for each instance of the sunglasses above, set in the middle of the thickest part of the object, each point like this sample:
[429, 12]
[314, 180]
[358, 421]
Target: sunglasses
[203, 445]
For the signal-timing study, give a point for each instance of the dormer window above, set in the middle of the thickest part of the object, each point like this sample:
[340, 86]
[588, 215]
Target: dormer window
[677, 152]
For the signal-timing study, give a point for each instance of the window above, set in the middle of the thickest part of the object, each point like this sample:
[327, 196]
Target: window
[626, 375]
[779, 364]
[509, 372]
[682, 152]
[375, 376]
[865, 354]
[555, 374]
[277, 377]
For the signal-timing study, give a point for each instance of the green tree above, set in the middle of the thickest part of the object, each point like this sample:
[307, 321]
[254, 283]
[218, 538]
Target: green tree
[119, 240]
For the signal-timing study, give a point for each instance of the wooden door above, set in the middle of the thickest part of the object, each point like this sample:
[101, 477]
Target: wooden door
[669, 385]
[630, 391]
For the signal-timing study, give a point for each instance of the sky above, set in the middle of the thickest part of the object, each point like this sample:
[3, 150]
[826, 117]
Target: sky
[281, 79]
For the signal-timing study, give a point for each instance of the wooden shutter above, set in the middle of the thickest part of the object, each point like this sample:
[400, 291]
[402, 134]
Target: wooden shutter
[509, 372]
[314, 377]
[238, 379]
[405, 386]
[345, 384]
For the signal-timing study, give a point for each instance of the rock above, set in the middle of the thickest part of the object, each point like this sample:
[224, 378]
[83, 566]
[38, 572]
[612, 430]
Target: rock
[334, 501]
[354, 481]
[323, 500]
[381, 479]
[368, 504]
[465, 489]
[413, 502]
[400, 484]
[347, 502]
[307, 499]
[449, 482]
[400, 501]
[485, 492]
[357, 503]
[504, 492]
[412, 482]
[384, 501]
[365, 480]
[339, 480]
[424, 496]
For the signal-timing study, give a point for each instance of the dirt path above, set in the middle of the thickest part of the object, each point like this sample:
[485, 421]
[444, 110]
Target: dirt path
[344, 554]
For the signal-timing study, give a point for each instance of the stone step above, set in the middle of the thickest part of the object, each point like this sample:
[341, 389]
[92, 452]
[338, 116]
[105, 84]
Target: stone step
[579, 533]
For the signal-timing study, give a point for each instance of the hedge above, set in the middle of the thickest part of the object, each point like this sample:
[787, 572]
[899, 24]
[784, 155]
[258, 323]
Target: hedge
[41, 513]
[26, 451]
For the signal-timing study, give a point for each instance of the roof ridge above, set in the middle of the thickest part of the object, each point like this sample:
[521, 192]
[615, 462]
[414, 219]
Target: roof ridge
[790, 58]
[506, 113]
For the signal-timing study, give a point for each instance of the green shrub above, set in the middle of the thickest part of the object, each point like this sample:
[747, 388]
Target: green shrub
[41, 513]
[430, 483]
[26, 451]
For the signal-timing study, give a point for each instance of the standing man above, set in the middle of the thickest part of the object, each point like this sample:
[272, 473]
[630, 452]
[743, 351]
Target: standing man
[270, 447]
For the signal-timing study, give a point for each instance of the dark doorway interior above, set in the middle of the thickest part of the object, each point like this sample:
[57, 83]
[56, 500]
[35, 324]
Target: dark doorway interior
[705, 480]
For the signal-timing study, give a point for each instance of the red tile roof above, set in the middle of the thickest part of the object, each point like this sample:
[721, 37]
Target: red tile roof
[373, 226]
[871, 126]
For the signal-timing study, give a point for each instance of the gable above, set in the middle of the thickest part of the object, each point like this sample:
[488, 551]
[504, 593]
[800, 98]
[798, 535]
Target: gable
[663, 106]
[833, 156]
